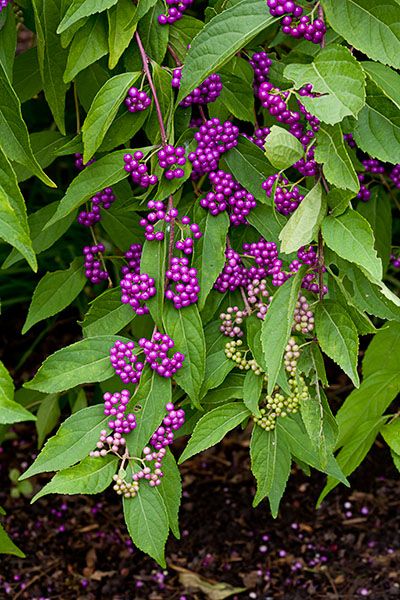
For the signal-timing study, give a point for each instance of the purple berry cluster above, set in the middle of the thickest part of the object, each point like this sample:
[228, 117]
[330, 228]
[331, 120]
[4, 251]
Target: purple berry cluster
[373, 166]
[261, 64]
[146, 473]
[395, 176]
[182, 283]
[228, 194]
[348, 137]
[133, 257]
[259, 297]
[172, 159]
[137, 100]
[115, 406]
[308, 256]
[157, 213]
[102, 199]
[92, 265]
[364, 193]
[267, 262]
[79, 164]
[231, 321]
[206, 93]
[138, 170]
[156, 353]
[259, 136]
[287, 198]
[275, 101]
[4, 4]
[213, 139]
[233, 274]
[176, 9]
[395, 260]
[114, 443]
[125, 362]
[296, 24]
[164, 435]
[136, 290]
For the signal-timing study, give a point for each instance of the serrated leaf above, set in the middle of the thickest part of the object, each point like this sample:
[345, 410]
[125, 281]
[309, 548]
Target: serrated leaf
[270, 464]
[218, 366]
[154, 37]
[103, 111]
[282, 148]
[54, 292]
[387, 80]
[52, 58]
[91, 476]
[381, 353]
[267, 222]
[231, 388]
[351, 237]
[181, 34]
[210, 251]
[119, 34]
[47, 146]
[377, 130]
[237, 96]
[252, 388]
[76, 437]
[13, 131]
[14, 227]
[186, 329]
[303, 225]
[277, 326]
[153, 262]
[7, 546]
[375, 298]
[26, 75]
[107, 315]
[338, 77]
[8, 39]
[87, 361]
[332, 152]
[78, 9]
[171, 491]
[213, 427]
[10, 411]
[338, 201]
[337, 336]
[378, 212]
[371, 27]
[90, 43]
[391, 435]
[220, 39]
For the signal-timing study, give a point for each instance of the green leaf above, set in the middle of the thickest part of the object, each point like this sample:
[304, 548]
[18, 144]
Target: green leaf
[282, 148]
[103, 111]
[267, 222]
[339, 200]
[10, 411]
[210, 251]
[47, 146]
[181, 34]
[13, 131]
[186, 329]
[391, 435]
[377, 130]
[218, 366]
[14, 227]
[382, 352]
[237, 96]
[387, 80]
[277, 326]
[337, 336]
[162, 81]
[47, 417]
[52, 58]
[220, 39]
[147, 521]
[103, 173]
[338, 77]
[378, 212]
[78, 9]
[89, 81]
[121, 222]
[88, 45]
[87, 361]
[248, 165]
[351, 237]
[107, 315]
[154, 37]
[91, 476]
[171, 491]
[231, 388]
[375, 298]
[213, 427]
[352, 455]
[152, 394]
[76, 437]
[8, 40]
[54, 292]
[252, 388]
[270, 464]
[7, 546]
[333, 153]
[371, 27]
[26, 78]
[120, 35]
[303, 225]
[41, 238]
[153, 262]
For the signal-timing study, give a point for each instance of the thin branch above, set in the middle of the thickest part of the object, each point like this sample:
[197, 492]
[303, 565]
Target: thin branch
[321, 16]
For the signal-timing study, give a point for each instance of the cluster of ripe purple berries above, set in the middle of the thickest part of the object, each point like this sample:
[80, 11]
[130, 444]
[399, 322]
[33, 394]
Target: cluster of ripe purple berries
[4, 4]
[102, 199]
[164, 435]
[156, 353]
[229, 195]
[79, 164]
[259, 136]
[137, 100]
[261, 64]
[138, 170]
[206, 93]
[93, 269]
[176, 9]
[296, 24]
[125, 362]
[287, 198]
[213, 139]
[183, 285]
[172, 159]
[136, 289]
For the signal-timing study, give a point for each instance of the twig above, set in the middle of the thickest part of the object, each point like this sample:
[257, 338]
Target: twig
[321, 16]
[174, 55]
[78, 116]
[110, 283]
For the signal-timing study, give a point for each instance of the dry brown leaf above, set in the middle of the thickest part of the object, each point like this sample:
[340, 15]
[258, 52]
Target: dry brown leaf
[212, 589]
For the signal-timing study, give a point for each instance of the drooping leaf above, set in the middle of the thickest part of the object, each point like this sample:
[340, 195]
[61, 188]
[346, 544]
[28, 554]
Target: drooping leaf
[90, 43]
[7, 546]
[119, 33]
[153, 262]
[303, 225]
[252, 387]
[378, 212]
[282, 148]
[10, 411]
[107, 315]
[78, 9]
[47, 417]
[171, 491]
[332, 152]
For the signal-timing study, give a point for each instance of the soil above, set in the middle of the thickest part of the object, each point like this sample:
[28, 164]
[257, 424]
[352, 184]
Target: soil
[77, 547]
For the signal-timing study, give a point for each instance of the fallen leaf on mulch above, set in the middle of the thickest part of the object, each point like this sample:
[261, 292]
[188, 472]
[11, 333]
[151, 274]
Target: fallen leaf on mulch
[214, 590]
